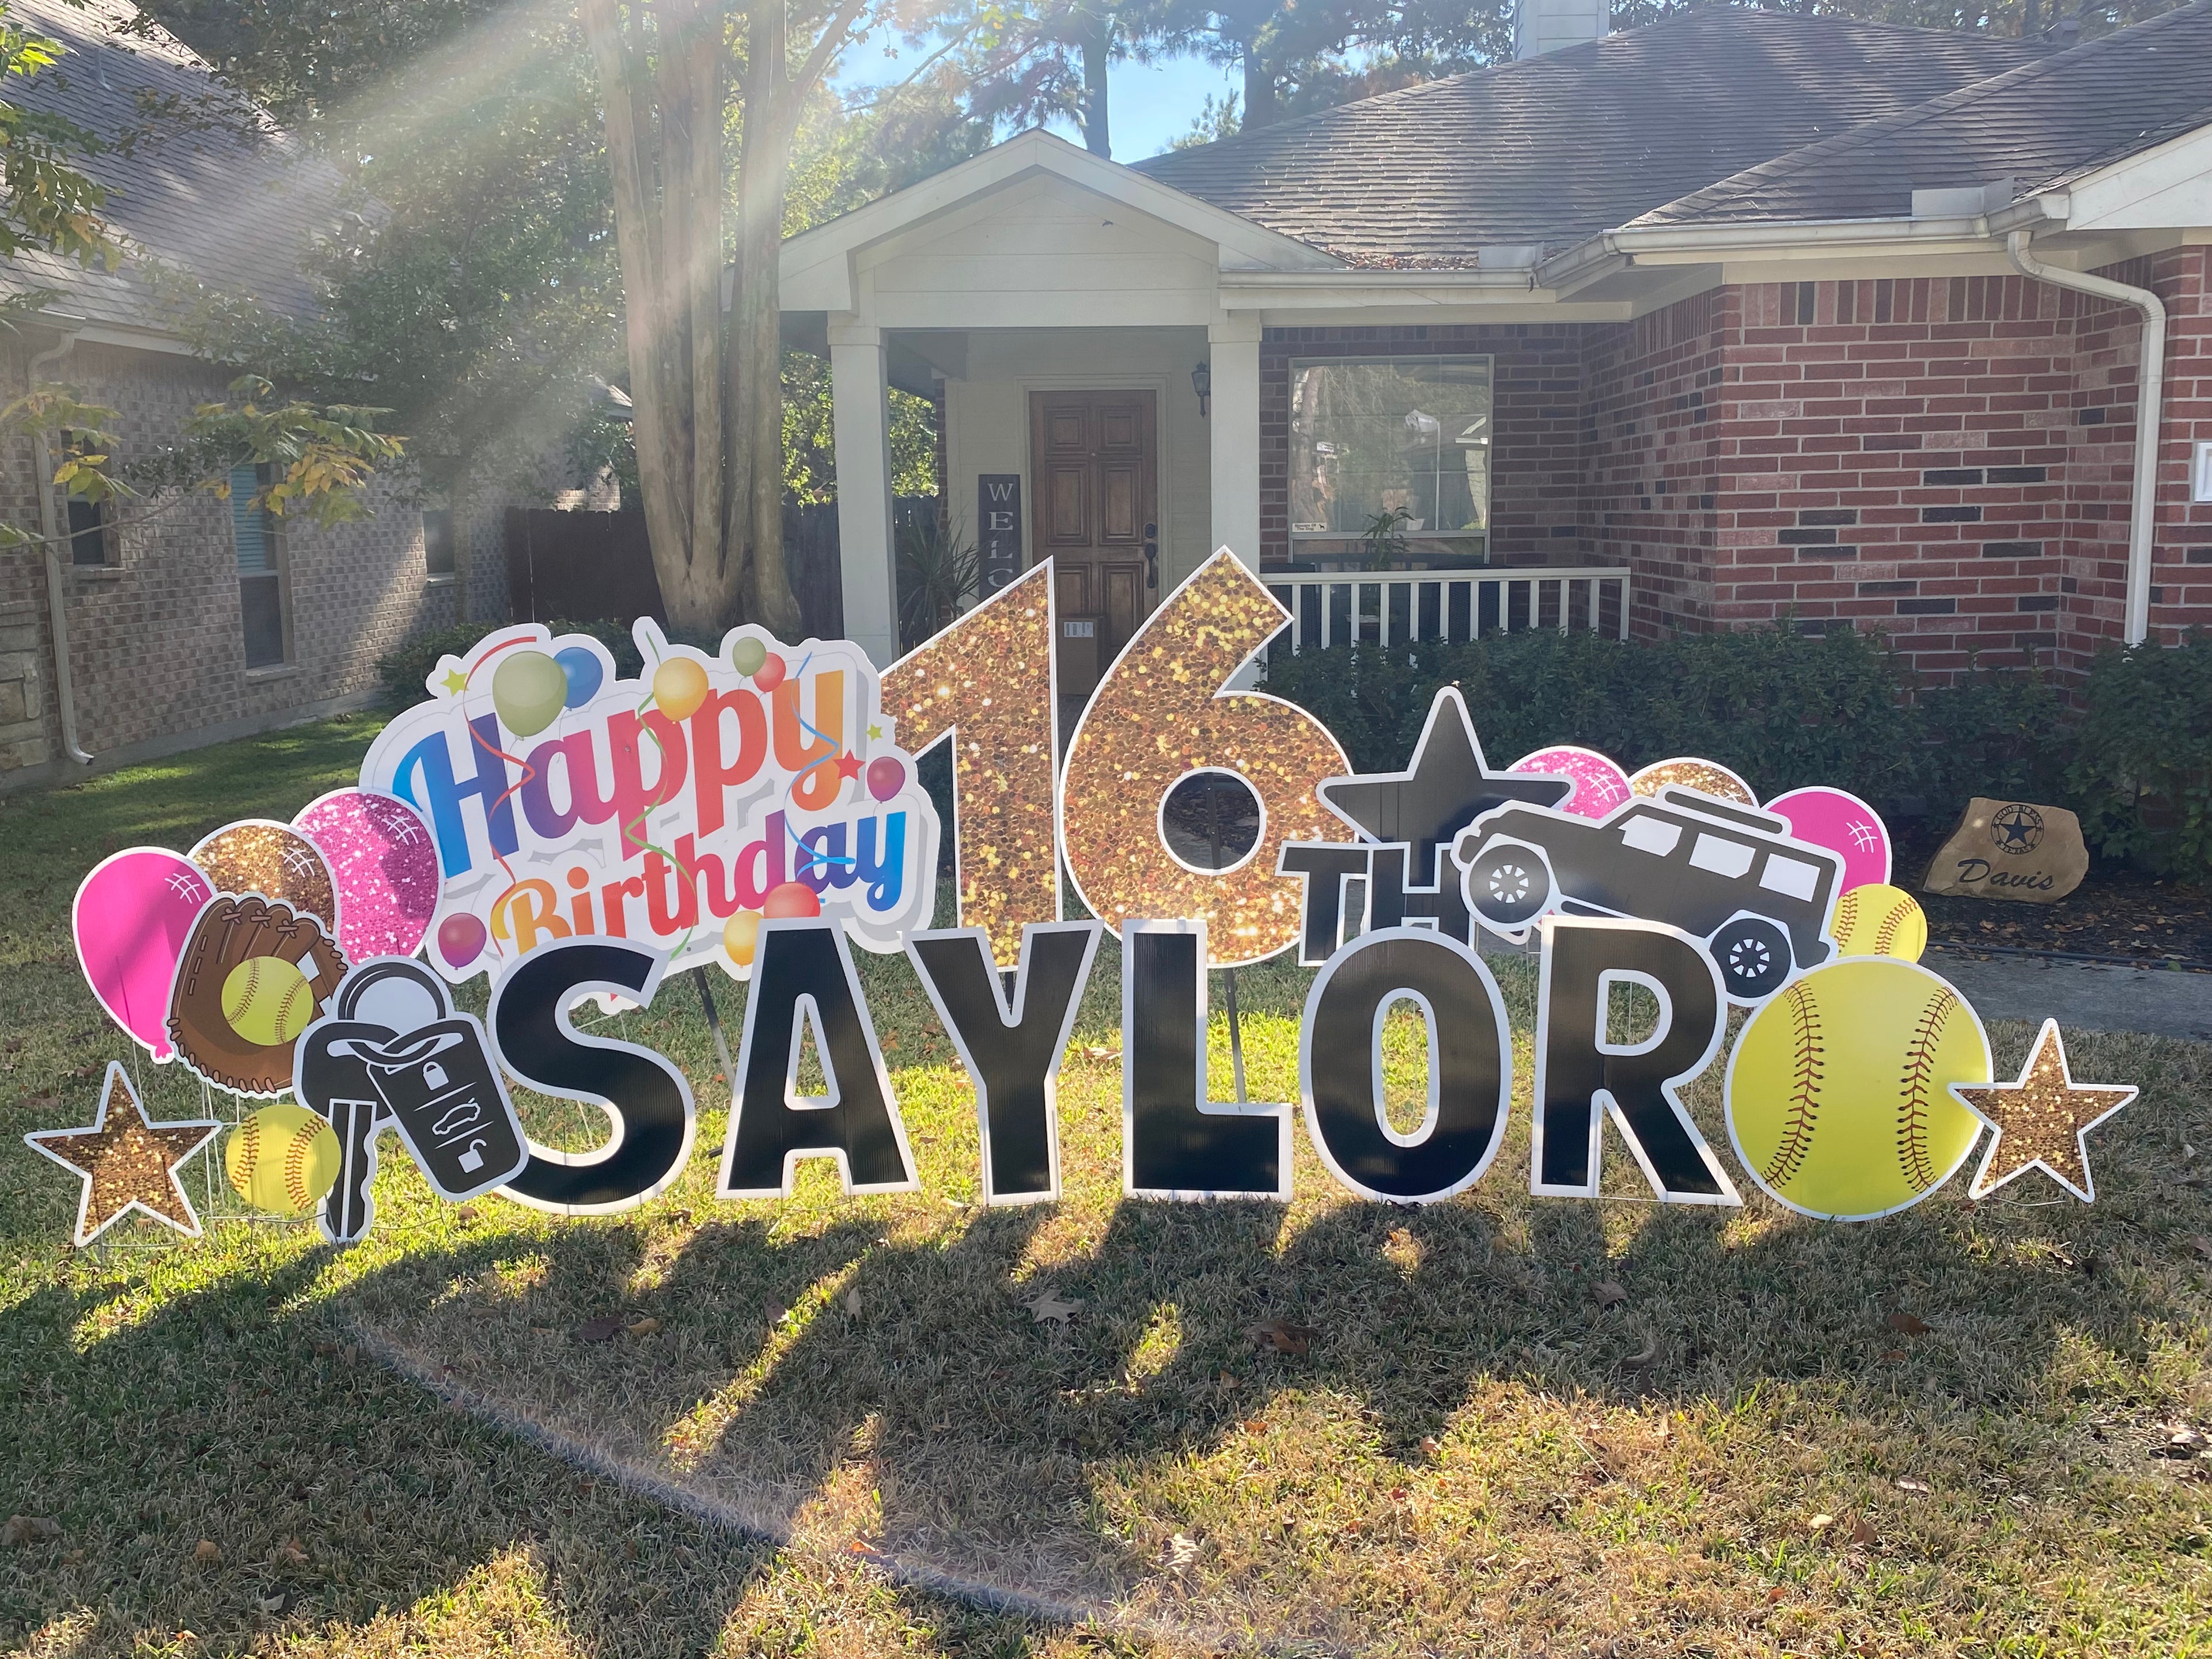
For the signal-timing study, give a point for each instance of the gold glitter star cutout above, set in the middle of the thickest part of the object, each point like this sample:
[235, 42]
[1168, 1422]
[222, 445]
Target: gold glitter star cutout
[128, 1164]
[2042, 1121]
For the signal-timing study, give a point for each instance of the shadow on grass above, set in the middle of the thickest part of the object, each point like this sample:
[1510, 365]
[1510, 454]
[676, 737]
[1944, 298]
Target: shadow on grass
[913, 1405]
[246, 1414]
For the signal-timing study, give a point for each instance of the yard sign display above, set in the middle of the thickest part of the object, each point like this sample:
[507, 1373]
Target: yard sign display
[571, 834]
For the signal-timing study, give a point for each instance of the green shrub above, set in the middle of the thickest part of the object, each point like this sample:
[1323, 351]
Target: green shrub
[404, 668]
[2140, 774]
[1781, 708]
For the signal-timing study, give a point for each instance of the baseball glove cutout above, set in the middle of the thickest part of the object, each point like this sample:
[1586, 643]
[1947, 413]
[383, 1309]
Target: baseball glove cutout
[254, 973]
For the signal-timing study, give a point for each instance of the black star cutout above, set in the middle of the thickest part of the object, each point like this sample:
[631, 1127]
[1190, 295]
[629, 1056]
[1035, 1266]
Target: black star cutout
[1447, 787]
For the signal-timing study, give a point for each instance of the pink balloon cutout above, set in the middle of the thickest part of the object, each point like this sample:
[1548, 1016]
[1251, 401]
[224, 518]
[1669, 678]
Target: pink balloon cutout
[132, 916]
[1842, 823]
[1600, 786]
[383, 868]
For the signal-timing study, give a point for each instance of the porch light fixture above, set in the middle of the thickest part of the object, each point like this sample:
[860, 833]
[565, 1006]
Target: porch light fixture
[1201, 382]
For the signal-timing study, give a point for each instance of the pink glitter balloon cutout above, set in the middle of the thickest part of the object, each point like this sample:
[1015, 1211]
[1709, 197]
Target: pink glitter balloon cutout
[383, 868]
[1600, 786]
[132, 916]
[1842, 823]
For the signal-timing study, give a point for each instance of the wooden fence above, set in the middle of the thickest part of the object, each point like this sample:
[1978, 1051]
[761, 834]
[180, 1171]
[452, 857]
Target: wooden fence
[583, 566]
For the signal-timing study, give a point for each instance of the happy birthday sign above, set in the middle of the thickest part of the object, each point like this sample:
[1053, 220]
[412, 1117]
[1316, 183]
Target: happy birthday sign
[573, 834]
[678, 810]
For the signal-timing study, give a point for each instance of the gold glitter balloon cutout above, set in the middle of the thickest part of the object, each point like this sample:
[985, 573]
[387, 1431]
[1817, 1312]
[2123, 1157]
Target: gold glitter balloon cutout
[257, 856]
[2042, 1121]
[129, 1162]
[1687, 772]
[988, 679]
[1158, 715]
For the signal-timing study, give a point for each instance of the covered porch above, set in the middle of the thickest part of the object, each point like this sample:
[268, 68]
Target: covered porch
[1130, 378]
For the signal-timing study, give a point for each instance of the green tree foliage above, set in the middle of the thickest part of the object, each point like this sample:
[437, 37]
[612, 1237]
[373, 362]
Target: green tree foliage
[473, 282]
[320, 458]
[1298, 59]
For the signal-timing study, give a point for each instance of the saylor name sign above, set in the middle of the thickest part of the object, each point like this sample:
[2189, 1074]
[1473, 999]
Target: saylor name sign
[574, 834]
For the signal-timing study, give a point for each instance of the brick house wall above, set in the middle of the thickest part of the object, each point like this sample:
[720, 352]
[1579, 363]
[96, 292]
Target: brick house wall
[1651, 455]
[2181, 568]
[157, 648]
[1946, 458]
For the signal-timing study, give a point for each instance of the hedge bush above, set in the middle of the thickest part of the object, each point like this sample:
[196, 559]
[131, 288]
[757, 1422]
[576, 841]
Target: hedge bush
[2140, 771]
[405, 669]
[1781, 708]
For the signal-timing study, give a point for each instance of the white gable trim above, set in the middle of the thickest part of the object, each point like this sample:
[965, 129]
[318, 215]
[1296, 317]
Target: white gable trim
[818, 265]
[2165, 187]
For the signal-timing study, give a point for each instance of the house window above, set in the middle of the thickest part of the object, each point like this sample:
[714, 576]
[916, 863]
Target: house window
[440, 556]
[1386, 447]
[90, 542]
[261, 586]
[437, 541]
[88, 531]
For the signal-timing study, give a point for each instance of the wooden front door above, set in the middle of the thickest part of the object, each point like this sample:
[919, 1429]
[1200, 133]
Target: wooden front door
[1095, 512]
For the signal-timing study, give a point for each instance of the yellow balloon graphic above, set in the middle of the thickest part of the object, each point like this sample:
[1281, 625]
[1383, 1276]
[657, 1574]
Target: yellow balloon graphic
[741, 937]
[680, 686]
[1839, 1093]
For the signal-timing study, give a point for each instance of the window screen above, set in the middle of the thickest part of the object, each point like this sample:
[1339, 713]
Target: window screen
[261, 571]
[1408, 435]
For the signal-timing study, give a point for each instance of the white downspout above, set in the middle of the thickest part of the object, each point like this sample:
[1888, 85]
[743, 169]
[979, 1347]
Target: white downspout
[56, 593]
[2150, 377]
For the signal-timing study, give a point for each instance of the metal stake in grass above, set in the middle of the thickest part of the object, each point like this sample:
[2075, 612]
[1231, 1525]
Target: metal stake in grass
[715, 1025]
[1235, 1024]
[1236, 1036]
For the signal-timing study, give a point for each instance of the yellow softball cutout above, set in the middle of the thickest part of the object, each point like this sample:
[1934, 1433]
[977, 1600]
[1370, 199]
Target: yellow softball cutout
[283, 1159]
[1879, 920]
[1839, 1092]
[268, 1000]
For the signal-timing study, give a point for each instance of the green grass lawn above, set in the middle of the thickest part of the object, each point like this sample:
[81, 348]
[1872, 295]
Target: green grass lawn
[835, 1427]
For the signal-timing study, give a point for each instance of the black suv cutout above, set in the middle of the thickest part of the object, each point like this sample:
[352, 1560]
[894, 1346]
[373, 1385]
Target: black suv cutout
[1732, 877]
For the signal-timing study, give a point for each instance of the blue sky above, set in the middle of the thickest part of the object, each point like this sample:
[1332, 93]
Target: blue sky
[1151, 104]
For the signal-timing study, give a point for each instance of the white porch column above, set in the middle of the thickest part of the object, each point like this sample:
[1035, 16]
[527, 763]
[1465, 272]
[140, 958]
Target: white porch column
[1233, 354]
[860, 427]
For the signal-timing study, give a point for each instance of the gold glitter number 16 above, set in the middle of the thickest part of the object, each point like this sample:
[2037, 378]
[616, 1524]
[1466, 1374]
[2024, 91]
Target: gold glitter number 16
[1159, 715]
[986, 681]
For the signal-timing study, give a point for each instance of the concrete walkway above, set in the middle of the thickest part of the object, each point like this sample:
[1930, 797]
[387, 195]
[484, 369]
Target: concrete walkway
[2089, 995]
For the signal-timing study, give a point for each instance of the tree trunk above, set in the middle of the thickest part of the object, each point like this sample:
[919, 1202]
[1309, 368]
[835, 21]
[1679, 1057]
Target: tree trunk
[1260, 107]
[1098, 47]
[659, 419]
[755, 506]
[719, 600]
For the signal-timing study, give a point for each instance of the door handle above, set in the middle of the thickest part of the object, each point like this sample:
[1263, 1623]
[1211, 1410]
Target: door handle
[1152, 555]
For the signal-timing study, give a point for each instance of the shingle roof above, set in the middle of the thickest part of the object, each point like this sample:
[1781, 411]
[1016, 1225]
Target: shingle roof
[2040, 125]
[236, 208]
[1556, 148]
